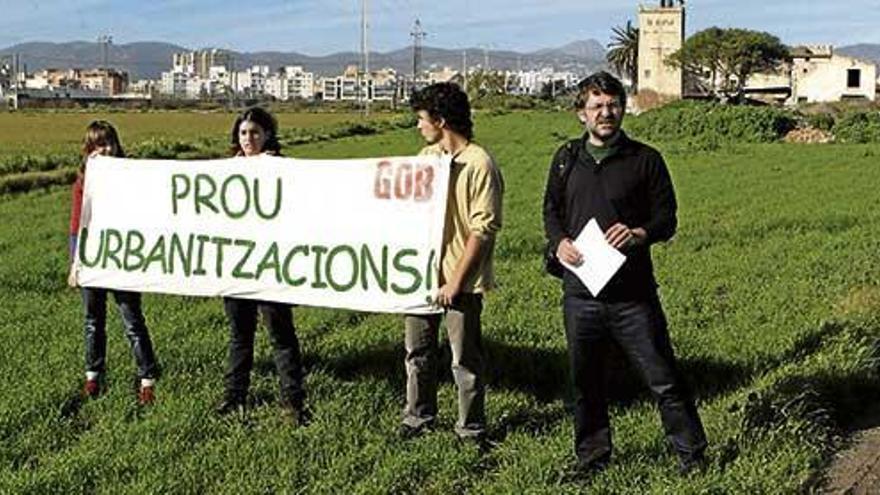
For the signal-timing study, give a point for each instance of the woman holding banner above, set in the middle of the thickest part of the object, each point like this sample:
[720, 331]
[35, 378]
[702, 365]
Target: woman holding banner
[255, 133]
[102, 139]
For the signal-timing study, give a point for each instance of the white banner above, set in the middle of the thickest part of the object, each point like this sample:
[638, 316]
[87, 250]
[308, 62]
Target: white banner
[356, 234]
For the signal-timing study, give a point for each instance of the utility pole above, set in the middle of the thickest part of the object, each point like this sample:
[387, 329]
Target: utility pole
[486, 58]
[105, 41]
[16, 60]
[231, 83]
[365, 54]
[464, 68]
[417, 35]
[16, 66]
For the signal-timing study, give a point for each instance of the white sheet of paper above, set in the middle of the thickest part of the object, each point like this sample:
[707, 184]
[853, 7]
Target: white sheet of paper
[601, 261]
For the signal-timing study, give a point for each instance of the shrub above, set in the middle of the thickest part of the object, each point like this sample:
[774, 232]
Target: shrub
[18, 183]
[36, 163]
[822, 121]
[711, 123]
[160, 148]
[858, 127]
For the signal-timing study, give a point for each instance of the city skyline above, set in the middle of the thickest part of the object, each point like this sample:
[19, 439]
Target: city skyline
[283, 25]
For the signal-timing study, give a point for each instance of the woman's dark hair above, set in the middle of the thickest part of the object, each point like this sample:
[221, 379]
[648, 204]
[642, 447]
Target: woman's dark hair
[600, 82]
[263, 119]
[100, 133]
[446, 101]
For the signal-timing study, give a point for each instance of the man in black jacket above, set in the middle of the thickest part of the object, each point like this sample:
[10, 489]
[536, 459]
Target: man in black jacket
[626, 187]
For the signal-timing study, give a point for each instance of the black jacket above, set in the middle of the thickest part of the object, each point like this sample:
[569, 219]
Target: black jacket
[632, 187]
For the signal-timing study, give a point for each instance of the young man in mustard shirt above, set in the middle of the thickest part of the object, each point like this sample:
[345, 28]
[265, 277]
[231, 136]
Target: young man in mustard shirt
[473, 218]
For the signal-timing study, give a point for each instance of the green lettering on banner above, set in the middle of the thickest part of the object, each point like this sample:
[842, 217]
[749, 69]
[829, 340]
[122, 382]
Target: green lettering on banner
[110, 249]
[247, 197]
[429, 272]
[381, 275]
[81, 249]
[174, 194]
[200, 269]
[318, 251]
[270, 260]
[220, 242]
[294, 282]
[133, 251]
[416, 276]
[185, 258]
[238, 271]
[202, 198]
[277, 200]
[157, 253]
[354, 268]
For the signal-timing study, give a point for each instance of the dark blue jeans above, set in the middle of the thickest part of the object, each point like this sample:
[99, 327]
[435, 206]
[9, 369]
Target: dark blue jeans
[639, 328]
[278, 317]
[129, 304]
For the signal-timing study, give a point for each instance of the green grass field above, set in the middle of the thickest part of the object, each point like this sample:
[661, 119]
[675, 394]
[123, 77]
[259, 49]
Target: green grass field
[34, 132]
[771, 287]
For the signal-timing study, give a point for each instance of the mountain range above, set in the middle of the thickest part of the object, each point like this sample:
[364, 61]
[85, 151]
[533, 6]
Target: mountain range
[149, 59]
[865, 51]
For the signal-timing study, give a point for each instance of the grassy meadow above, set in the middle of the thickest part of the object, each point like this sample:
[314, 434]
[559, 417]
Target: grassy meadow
[771, 288]
[40, 132]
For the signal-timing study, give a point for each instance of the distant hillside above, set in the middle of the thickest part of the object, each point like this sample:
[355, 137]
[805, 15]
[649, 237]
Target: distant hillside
[865, 51]
[149, 59]
[141, 60]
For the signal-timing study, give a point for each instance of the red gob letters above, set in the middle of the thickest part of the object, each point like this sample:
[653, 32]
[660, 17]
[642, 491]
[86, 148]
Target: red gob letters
[404, 181]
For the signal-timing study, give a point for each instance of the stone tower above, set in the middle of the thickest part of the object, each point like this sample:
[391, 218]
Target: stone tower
[661, 33]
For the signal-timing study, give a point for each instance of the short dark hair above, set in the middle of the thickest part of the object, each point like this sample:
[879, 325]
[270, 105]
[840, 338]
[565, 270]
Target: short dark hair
[599, 82]
[446, 100]
[263, 119]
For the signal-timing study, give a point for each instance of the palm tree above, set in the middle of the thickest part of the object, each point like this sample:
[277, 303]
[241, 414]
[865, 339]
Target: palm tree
[623, 53]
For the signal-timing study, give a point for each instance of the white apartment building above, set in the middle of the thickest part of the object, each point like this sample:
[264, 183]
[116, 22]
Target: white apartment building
[291, 82]
[174, 84]
[251, 82]
[381, 85]
[200, 62]
[533, 81]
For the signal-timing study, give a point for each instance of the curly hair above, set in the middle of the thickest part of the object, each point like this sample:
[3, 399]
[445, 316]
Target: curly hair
[263, 119]
[446, 101]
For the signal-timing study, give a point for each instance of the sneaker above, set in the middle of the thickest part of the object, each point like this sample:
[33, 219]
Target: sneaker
[146, 395]
[92, 389]
[295, 414]
[231, 404]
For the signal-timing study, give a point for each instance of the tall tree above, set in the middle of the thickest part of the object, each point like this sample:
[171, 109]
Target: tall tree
[623, 53]
[727, 57]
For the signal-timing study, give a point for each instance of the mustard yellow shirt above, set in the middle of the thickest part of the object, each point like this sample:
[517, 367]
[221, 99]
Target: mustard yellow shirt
[473, 207]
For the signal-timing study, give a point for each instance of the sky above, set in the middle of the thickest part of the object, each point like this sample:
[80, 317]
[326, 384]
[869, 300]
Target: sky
[320, 27]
